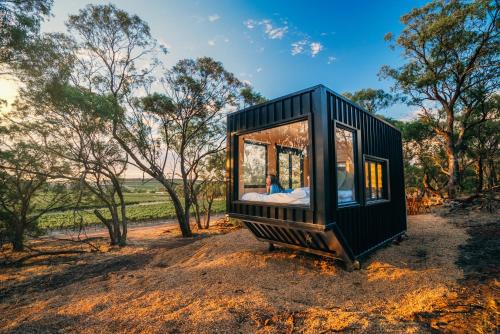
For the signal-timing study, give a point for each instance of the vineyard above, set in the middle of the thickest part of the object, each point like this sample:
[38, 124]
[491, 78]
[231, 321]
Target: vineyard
[137, 212]
[144, 202]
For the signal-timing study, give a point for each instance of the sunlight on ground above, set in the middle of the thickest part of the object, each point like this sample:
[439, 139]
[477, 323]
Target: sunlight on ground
[231, 283]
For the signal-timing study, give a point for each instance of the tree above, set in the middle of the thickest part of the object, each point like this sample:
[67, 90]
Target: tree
[25, 196]
[451, 48]
[74, 130]
[373, 100]
[169, 135]
[102, 67]
[116, 50]
[19, 26]
[483, 143]
[211, 185]
[250, 97]
[69, 122]
[423, 157]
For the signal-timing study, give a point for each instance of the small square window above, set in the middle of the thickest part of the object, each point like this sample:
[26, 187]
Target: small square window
[376, 179]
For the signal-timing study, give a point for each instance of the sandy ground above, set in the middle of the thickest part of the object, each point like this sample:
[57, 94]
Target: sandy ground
[225, 281]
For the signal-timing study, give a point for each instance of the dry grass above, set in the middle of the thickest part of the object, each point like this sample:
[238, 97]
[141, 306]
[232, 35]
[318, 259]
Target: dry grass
[230, 283]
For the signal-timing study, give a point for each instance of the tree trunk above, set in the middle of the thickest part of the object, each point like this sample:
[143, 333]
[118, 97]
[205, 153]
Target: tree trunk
[208, 213]
[116, 225]
[492, 174]
[103, 220]
[18, 238]
[197, 213]
[124, 223]
[187, 206]
[185, 228]
[453, 170]
[480, 179]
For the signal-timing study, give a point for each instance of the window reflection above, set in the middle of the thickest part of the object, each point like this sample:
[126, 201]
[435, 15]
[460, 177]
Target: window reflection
[375, 179]
[254, 165]
[282, 153]
[344, 148]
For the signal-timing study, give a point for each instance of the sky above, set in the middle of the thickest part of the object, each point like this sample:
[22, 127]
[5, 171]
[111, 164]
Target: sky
[277, 46]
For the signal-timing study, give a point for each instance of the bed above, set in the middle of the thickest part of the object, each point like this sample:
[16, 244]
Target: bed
[299, 196]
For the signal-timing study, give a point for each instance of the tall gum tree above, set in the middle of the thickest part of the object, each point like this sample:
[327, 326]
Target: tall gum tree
[64, 119]
[168, 135]
[451, 49]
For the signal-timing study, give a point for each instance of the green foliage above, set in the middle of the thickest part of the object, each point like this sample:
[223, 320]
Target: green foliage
[373, 100]
[451, 51]
[20, 24]
[250, 97]
[24, 174]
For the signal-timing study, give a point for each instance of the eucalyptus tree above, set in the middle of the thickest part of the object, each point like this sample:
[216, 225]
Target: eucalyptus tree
[26, 190]
[116, 52]
[166, 134]
[483, 143]
[169, 135]
[451, 48]
[68, 121]
[74, 129]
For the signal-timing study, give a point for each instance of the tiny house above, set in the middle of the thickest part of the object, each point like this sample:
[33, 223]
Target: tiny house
[340, 168]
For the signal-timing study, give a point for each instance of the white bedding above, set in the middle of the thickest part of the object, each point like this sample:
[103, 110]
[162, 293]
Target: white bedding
[345, 196]
[297, 196]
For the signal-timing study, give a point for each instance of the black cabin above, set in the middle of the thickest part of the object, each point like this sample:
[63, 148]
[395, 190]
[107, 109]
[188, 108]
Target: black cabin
[340, 169]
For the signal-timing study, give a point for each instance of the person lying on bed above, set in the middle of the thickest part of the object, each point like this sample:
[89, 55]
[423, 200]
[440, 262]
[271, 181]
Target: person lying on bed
[273, 185]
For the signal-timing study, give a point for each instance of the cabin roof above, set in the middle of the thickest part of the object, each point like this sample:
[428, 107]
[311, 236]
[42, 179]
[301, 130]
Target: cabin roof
[311, 89]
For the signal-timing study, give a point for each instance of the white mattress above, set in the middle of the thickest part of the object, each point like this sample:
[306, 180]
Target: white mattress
[345, 196]
[297, 196]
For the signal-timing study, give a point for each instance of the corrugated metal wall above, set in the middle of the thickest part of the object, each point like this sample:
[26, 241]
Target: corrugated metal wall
[366, 225]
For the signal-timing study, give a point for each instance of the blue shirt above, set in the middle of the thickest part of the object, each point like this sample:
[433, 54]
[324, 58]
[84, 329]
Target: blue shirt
[274, 189]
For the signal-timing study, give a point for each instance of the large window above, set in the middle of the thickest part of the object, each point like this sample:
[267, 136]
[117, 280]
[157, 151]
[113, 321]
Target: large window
[254, 165]
[274, 165]
[376, 179]
[345, 143]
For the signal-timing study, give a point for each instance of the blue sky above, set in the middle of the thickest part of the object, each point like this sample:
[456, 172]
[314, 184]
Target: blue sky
[278, 46]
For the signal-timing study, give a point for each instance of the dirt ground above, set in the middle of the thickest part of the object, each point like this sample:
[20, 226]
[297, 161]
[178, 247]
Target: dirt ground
[443, 278]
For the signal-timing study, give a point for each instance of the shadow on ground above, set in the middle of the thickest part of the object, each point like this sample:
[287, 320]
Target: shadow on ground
[75, 273]
[473, 306]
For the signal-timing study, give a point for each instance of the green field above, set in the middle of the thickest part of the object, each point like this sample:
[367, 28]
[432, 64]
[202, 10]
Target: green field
[144, 200]
[69, 218]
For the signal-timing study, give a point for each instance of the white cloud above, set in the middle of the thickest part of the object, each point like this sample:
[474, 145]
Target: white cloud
[271, 31]
[259, 69]
[250, 24]
[211, 42]
[331, 59]
[316, 48]
[226, 40]
[213, 18]
[298, 47]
